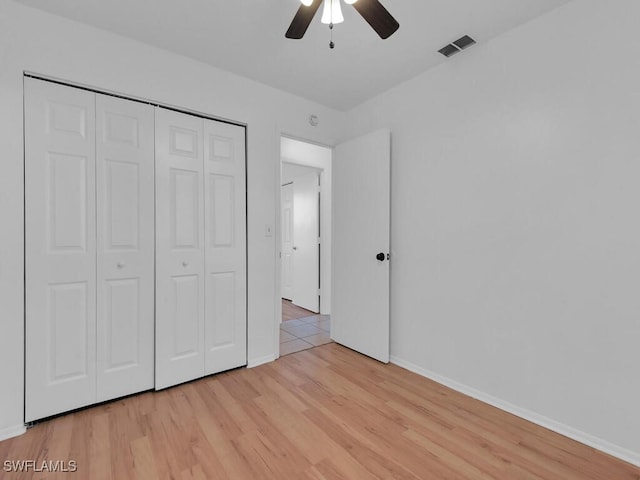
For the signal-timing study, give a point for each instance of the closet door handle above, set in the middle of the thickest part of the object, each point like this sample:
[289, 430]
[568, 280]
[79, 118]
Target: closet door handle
[120, 265]
[185, 263]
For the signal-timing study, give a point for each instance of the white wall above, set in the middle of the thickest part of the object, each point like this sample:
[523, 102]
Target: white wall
[291, 171]
[38, 42]
[316, 156]
[516, 225]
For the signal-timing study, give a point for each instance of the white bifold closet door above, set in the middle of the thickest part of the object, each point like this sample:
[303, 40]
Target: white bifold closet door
[201, 247]
[125, 244]
[88, 248]
[60, 249]
[179, 248]
[225, 320]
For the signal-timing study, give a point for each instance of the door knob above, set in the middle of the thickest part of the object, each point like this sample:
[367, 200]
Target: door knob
[120, 265]
[295, 248]
[185, 263]
[380, 257]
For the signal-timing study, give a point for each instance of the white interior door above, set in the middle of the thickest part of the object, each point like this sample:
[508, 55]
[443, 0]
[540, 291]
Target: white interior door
[125, 257]
[179, 248]
[306, 246]
[361, 220]
[60, 249]
[225, 251]
[287, 241]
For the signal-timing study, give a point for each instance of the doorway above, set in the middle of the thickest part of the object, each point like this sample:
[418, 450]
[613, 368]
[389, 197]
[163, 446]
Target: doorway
[305, 245]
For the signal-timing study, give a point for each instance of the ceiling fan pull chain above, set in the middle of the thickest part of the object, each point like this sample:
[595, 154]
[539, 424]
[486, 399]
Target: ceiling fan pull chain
[331, 44]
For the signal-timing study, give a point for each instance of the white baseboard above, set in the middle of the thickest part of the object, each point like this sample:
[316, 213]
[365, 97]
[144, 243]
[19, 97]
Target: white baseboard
[10, 432]
[256, 362]
[562, 429]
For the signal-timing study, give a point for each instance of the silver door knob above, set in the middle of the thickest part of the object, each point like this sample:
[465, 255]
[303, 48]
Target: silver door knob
[295, 248]
[185, 263]
[120, 265]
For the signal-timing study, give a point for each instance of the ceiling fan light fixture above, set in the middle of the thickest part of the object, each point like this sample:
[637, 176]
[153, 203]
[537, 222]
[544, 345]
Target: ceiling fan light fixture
[372, 11]
[332, 13]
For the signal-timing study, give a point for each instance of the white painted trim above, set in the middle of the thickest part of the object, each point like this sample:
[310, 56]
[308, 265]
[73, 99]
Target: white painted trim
[570, 432]
[11, 432]
[278, 249]
[256, 362]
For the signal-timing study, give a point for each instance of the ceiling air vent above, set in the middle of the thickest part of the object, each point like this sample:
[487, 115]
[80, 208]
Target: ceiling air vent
[449, 50]
[458, 45]
[464, 42]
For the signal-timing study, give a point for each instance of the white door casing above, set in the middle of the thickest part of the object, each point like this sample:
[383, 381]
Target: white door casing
[361, 230]
[125, 246]
[306, 249]
[287, 241]
[225, 247]
[60, 249]
[180, 262]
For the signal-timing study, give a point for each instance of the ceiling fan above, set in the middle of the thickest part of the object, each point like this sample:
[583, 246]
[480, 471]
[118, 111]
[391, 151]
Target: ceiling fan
[371, 10]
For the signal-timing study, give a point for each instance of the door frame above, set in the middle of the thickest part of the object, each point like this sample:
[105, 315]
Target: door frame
[325, 232]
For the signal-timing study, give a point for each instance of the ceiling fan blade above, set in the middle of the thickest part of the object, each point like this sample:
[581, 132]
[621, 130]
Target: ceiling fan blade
[377, 16]
[302, 20]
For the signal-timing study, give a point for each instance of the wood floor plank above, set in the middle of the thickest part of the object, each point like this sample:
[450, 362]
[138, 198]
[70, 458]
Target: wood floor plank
[228, 404]
[144, 464]
[99, 447]
[385, 439]
[293, 312]
[502, 442]
[480, 455]
[223, 458]
[326, 413]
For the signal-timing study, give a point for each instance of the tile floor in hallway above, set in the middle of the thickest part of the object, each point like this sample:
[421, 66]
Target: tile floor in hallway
[302, 333]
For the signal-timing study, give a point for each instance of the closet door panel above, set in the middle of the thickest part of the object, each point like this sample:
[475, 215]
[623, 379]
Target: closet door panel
[125, 260]
[180, 279]
[60, 248]
[225, 247]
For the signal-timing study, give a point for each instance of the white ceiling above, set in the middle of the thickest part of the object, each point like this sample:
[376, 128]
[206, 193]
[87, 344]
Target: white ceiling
[247, 37]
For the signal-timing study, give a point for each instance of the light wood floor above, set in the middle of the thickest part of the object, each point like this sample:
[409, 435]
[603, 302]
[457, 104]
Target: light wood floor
[293, 312]
[325, 413]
